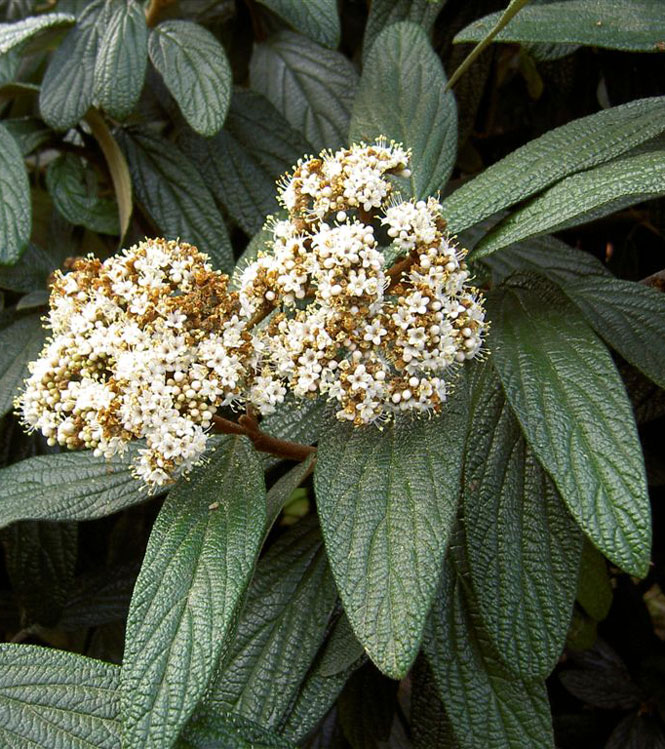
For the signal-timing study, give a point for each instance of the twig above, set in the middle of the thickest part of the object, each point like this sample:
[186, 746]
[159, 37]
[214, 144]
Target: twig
[248, 427]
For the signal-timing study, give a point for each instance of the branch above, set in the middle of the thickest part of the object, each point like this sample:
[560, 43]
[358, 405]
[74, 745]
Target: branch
[248, 427]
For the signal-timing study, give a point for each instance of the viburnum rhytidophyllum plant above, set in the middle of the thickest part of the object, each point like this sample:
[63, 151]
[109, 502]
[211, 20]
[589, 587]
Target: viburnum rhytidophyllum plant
[150, 343]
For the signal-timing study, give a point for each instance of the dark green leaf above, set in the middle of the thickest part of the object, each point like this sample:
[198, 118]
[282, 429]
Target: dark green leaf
[581, 198]
[28, 132]
[20, 342]
[317, 19]
[578, 145]
[387, 500]
[633, 25]
[9, 65]
[384, 13]
[297, 419]
[187, 599]
[282, 626]
[242, 162]
[14, 34]
[366, 708]
[50, 698]
[570, 401]
[209, 731]
[37, 298]
[122, 59]
[313, 87]
[523, 547]
[73, 191]
[594, 589]
[15, 205]
[402, 96]
[284, 487]
[194, 67]
[429, 723]
[175, 195]
[485, 704]
[68, 486]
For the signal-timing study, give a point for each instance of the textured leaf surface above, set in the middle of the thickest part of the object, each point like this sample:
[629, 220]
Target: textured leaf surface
[429, 723]
[386, 500]
[49, 698]
[68, 486]
[30, 272]
[122, 59]
[20, 342]
[570, 401]
[282, 626]
[486, 706]
[68, 85]
[565, 150]
[313, 87]
[194, 67]
[284, 487]
[13, 34]
[15, 205]
[211, 731]
[175, 195]
[188, 595]
[28, 132]
[384, 13]
[580, 198]
[242, 162]
[523, 547]
[402, 96]
[317, 19]
[632, 25]
[69, 187]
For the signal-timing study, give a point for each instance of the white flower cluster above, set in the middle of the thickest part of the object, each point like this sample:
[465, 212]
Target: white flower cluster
[148, 344]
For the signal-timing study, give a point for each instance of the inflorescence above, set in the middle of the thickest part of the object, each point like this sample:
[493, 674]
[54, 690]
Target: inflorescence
[150, 343]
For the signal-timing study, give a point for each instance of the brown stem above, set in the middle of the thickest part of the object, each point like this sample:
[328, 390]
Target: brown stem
[154, 11]
[260, 314]
[395, 273]
[656, 280]
[248, 427]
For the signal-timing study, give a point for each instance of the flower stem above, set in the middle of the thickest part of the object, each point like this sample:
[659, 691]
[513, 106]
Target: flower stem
[248, 427]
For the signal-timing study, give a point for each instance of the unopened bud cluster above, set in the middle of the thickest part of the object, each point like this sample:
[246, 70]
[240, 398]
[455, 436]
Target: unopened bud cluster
[148, 344]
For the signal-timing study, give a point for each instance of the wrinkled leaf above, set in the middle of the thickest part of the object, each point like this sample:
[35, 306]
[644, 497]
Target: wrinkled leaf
[20, 342]
[14, 34]
[15, 204]
[317, 19]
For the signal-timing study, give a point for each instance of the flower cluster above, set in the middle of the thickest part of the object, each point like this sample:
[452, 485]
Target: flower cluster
[150, 343]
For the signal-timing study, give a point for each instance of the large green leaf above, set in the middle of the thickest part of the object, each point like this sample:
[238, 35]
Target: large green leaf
[242, 162]
[565, 150]
[49, 698]
[387, 500]
[68, 486]
[283, 624]
[580, 198]
[523, 547]
[68, 86]
[172, 190]
[485, 704]
[30, 272]
[633, 25]
[213, 731]
[28, 132]
[194, 67]
[429, 723]
[198, 563]
[14, 34]
[313, 87]
[384, 13]
[15, 205]
[317, 19]
[122, 59]
[20, 342]
[570, 401]
[402, 95]
[70, 188]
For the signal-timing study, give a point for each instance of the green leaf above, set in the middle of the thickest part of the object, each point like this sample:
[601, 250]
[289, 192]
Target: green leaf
[20, 342]
[122, 59]
[73, 192]
[14, 34]
[30, 272]
[209, 731]
[68, 486]
[523, 547]
[187, 598]
[281, 628]
[384, 13]
[297, 419]
[486, 705]
[578, 145]
[317, 19]
[9, 66]
[40, 561]
[366, 707]
[66, 699]
[632, 25]
[387, 500]
[570, 401]
[68, 85]
[313, 87]
[581, 198]
[194, 67]
[242, 162]
[594, 589]
[16, 208]
[401, 95]
[28, 132]
[429, 723]
[284, 487]
[175, 195]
